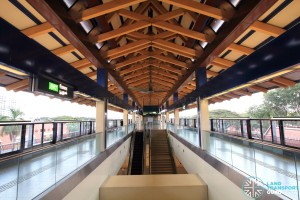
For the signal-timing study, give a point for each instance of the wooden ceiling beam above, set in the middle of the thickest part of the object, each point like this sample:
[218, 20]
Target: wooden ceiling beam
[187, 52]
[267, 29]
[222, 61]
[17, 85]
[219, 65]
[170, 15]
[80, 63]
[126, 49]
[182, 31]
[104, 9]
[164, 79]
[146, 76]
[165, 73]
[168, 68]
[200, 8]
[63, 50]
[132, 15]
[59, 17]
[171, 61]
[133, 75]
[132, 69]
[120, 31]
[84, 66]
[277, 84]
[162, 82]
[241, 49]
[138, 83]
[243, 92]
[284, 81]
[38, 30]
[248, 13]
[212, 73]
[131, 61]
[258, 88]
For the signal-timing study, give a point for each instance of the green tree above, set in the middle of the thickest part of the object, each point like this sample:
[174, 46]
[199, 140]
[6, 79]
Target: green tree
[283, 102]
[12, 130]
[222, 113]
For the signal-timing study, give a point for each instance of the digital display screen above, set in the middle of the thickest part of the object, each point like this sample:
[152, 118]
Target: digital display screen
[53, 87]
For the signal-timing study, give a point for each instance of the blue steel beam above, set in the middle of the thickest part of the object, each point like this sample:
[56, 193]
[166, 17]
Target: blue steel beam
[277, 55]
[20, 52]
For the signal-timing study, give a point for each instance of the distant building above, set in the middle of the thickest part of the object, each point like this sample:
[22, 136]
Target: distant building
[7, 102]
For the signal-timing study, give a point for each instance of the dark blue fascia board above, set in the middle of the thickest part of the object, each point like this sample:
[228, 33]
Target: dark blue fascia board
[21, 52]
[277, 55]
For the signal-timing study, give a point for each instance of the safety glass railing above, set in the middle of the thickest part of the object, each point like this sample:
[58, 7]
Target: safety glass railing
[187, 133]
[282, 131]
[26, 177]
[19, 136]
[115, 134]
[275, 168]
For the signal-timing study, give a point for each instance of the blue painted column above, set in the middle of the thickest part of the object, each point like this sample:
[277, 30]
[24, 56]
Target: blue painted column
[202, 108]
[101, 112]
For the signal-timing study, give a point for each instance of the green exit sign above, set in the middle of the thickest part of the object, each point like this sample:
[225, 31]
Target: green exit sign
[53, 86]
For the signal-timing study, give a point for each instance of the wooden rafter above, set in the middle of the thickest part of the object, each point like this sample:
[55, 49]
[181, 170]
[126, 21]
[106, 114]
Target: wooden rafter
[267, 28]
[199, 8]
[38, 30]
[105, 9]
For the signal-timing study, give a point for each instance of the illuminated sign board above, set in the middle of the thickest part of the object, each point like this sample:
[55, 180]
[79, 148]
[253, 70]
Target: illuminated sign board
[53, 87]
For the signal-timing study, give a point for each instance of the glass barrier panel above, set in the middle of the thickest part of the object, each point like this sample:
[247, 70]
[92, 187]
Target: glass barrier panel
[36, 173]
[255, 129]
[37, 134]
[232, 127]
[10, 137]
[9, 179]
[71, 130]
[48, 133]
[276, 167]
[292, 133]
[266, 130]
[29, 136]
[66, 159]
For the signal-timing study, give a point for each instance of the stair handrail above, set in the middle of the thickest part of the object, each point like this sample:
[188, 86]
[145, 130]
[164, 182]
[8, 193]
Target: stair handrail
[131, 153]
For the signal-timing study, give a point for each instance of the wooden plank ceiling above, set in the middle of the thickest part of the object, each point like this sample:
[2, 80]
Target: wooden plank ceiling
[150, 45]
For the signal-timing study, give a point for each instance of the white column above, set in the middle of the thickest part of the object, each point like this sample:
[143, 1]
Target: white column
[204, 123]
[125, 117]
[101, 116]
[176, 116]
[167, 117]
[133, 117]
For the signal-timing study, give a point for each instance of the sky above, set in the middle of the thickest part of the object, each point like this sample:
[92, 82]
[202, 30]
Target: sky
[42, 106]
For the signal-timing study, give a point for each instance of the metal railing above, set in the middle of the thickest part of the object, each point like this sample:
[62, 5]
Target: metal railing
[282, 131]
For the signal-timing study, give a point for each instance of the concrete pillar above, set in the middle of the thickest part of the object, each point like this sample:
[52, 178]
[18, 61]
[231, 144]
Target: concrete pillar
[167, 117]
[101, 119]
[125, 117]
[133, 117]
[101, 111]
[203, 122]
[202, 110]
[176, 116]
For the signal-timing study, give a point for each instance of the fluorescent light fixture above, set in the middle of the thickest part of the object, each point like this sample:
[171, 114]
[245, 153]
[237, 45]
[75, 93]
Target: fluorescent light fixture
[12, 70]
[81, 94]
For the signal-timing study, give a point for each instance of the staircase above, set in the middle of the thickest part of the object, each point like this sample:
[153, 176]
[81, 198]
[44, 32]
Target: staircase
[137, 159]
[161, 156]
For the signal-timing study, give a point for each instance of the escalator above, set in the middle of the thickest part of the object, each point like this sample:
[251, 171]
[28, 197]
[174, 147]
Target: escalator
[137, 155]
[162, 161]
